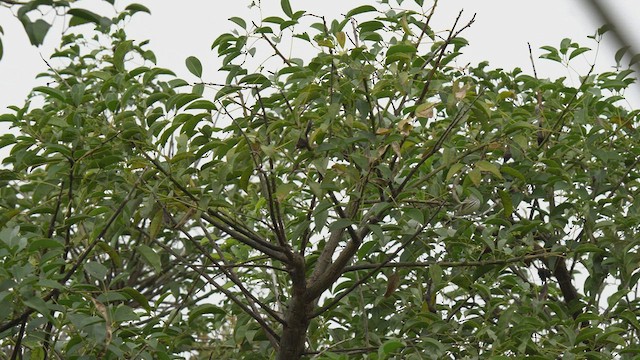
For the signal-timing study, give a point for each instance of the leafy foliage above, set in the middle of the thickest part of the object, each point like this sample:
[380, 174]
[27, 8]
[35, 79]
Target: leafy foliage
[37, 29]
[373, 200]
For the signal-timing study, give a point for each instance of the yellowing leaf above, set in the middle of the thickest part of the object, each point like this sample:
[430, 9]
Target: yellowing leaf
[283, 191]
[622, 122]
[341, 37]
[475, 176]
[506, 94]
[396, 148]
[326, 42]
[494, 145]
[424, 110]
[453, 170]
[507, 203]
[405, 25]
[484, 165]
[382, 131]
[460, 90]
[156, 224]
[392, 284]
[405, 127]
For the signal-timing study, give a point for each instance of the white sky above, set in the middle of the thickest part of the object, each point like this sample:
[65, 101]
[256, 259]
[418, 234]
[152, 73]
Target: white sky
[499, 35]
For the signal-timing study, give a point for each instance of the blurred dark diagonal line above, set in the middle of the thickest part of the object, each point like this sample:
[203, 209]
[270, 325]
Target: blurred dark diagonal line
[621, 38]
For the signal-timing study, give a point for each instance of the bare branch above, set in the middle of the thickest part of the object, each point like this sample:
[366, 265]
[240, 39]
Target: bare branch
[332, 276]
[453, 264]
[80, 259]
[228, 226]
[275, 48]
[271, 334]
[434, 149]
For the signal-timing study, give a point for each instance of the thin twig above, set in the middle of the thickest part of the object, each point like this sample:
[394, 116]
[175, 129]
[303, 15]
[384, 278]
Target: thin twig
[436, 147]
[275, 48]
[273, 337]
[619, 36]
[80, 258]
[454, 264]
[375, 270]
[560, 122]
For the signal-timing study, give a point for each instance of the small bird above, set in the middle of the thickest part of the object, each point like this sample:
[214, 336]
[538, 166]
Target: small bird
[393, 281]
[470, 205]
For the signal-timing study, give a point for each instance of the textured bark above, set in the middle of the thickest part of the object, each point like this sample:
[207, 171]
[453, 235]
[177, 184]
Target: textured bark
[558, 268]
[297, 316]
[569, 291]
[294, 334]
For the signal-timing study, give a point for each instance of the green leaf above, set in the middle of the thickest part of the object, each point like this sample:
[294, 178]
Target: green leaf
[194, 66]
[44, 243]
[400, 52]
[507, 170]
[198, 89]
[8, 118]
[200, 310]
[77, 92]
[137, 296]
[453, 170]
[157, 222]
[588, 248]
[435, 273]
[475, 176]
[118, 57]
[36, 30]
[587, 334]
[83, 16]
[239, 21]
[340, 224]
[124, 313]
[134, 8]
[113, 254]
[263, 30]
[286, 7]
[360, 10]
[96, 270]
[287, 24]
[38, 305]
[150, 256]
[578, 51]
[389, 347]
[201, 104]
[552, 54]
[50, 91]
[273, 20]
[620, 54]
[255, 79]
[179, 100]
[484, 165]
[614, 298]
[507, 203]
[226, 90]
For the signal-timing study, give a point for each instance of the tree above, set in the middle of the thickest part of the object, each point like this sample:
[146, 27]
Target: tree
[374, 200]
[38, 26]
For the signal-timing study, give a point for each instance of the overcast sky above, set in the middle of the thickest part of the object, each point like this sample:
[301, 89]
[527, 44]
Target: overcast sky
[499, 35]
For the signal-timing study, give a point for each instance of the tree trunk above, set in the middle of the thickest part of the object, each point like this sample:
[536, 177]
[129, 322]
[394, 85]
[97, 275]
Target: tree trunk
[297, 315]
[294, 334]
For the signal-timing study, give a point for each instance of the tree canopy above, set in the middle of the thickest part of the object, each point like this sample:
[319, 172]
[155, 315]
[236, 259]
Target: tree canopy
[348, 191]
